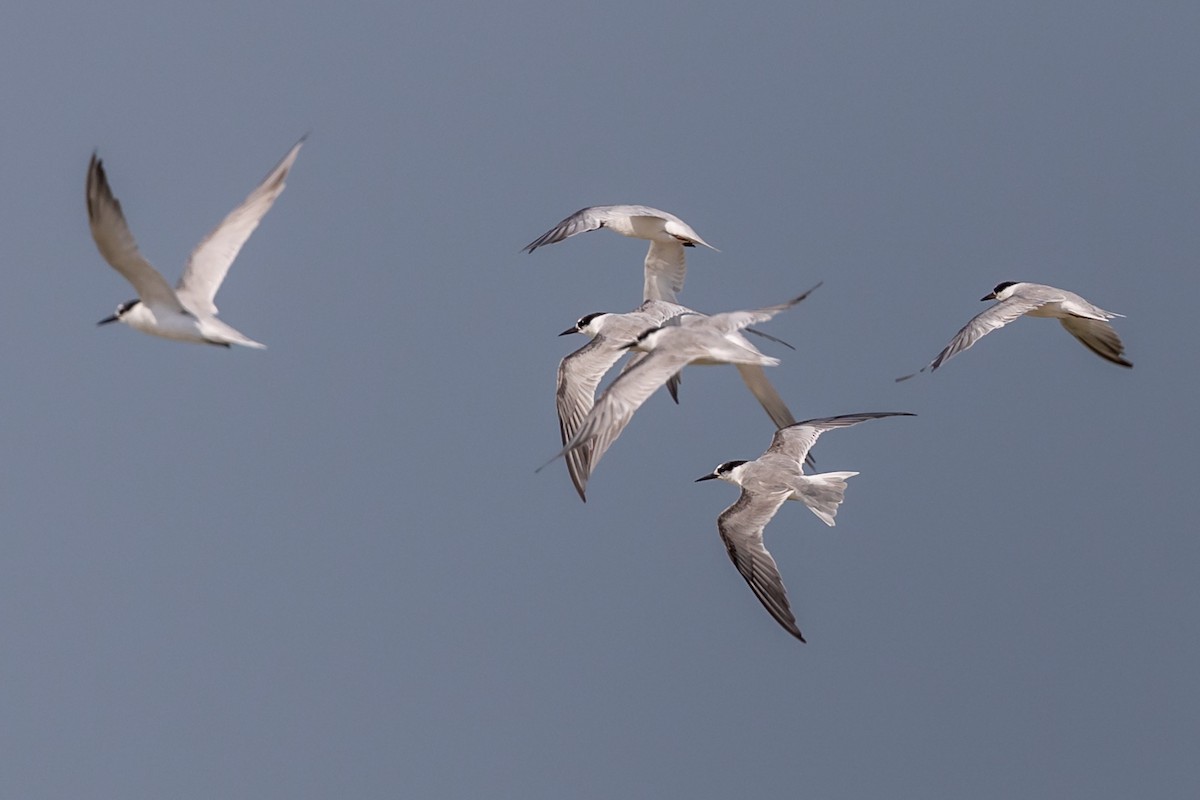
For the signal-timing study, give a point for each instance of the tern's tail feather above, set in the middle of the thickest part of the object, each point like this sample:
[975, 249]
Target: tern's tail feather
[823, 493]
[222, 333]
[673, 386]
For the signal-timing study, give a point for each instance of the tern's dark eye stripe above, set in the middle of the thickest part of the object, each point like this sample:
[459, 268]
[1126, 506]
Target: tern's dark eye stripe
[1002, 286]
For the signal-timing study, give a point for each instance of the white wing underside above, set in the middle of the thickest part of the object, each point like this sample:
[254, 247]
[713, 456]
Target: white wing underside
[116, 243]
[210, 261]
[665, 266]
[665, 271]
[621, 218]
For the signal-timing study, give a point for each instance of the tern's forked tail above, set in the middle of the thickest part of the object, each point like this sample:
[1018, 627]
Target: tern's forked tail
[823, 493]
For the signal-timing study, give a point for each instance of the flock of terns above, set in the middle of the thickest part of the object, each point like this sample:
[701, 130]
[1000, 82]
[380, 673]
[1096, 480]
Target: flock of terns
[660, 337]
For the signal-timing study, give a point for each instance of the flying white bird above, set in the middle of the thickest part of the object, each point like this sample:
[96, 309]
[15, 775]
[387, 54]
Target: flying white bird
[1086, 322]
[580, 372]
[665, 265]
[715, 339]
[187, 312]
[767, 483]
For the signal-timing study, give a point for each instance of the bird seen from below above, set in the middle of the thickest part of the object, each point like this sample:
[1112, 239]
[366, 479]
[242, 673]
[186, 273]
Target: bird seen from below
[767, 483]
[186, 313]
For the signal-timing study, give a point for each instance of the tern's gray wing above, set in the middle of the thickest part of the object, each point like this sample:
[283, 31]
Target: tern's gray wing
[1097, 336]
[741, 527]
[664, 312]
[666, 269]
[673, 382]
[210, 261]
[796, 440]
[616, 405]
[116, 243]
[760, 386]
[580, 373]
[983, 323]
[755, 378]
[578, 376]
[582, 221]
[736, 320]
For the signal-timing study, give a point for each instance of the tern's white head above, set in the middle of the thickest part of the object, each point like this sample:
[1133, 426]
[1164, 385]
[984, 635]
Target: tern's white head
[729, 471]
[122, 310]
[1003, 291]
[589, 324]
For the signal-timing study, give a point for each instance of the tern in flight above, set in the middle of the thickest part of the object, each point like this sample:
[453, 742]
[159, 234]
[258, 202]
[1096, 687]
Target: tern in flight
[187, 312]
[580, 372]
[715, 339]
[665, 266]
[767, 483]
[1086, 322]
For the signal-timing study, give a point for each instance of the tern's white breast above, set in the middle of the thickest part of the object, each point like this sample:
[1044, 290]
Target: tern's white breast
[166, 323]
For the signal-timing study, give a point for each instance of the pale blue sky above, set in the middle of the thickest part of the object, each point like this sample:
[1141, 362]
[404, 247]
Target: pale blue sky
[328, 569]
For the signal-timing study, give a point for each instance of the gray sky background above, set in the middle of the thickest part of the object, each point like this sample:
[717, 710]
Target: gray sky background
[328, 569]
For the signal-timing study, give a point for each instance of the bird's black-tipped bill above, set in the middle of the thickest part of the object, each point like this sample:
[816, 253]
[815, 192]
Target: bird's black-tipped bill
[107, 320]
[988, 296]
[709, 477]
[569, 331]
[629, 346]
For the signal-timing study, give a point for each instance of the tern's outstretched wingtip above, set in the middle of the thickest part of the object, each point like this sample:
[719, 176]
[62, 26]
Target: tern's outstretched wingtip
[553, 458]
[769, 337]
[911, 374]
[801, 297]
